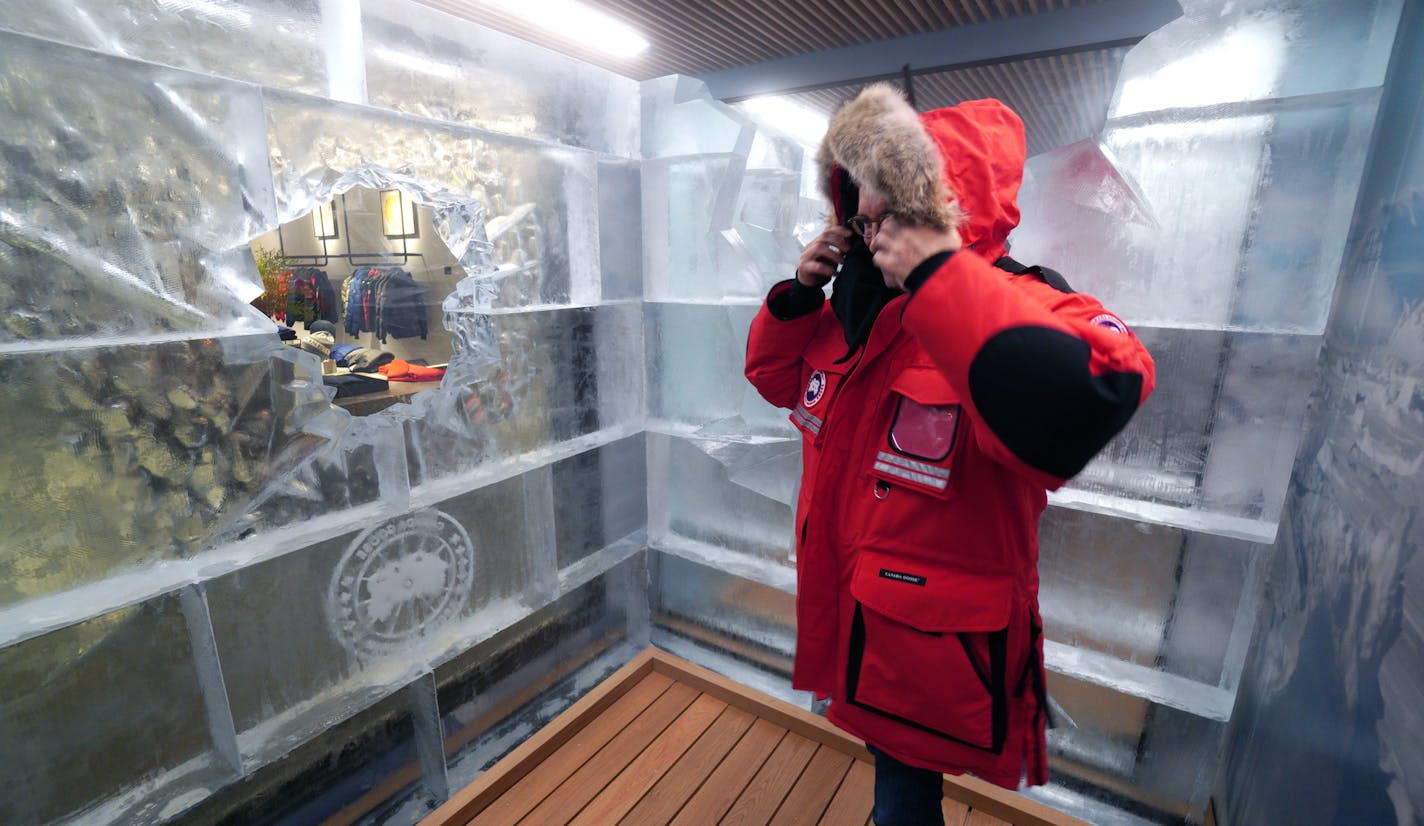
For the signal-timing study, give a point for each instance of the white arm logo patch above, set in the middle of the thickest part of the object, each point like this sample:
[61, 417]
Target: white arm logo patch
[1110, 322]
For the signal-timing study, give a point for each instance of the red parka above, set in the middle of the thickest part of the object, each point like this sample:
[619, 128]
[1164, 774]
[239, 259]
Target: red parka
[926, 460]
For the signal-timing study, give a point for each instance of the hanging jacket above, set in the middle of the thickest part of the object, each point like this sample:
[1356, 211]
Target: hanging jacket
[927, 454]
[401, 307]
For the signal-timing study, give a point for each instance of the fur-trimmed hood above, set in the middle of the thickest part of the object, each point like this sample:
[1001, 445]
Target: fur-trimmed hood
[955, 167]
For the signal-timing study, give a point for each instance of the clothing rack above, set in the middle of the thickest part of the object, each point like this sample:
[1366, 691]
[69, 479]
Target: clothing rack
[356, 259]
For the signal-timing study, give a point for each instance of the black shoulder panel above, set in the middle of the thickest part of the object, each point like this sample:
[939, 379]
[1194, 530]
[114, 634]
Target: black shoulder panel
[1052, 278]
[1033, 388]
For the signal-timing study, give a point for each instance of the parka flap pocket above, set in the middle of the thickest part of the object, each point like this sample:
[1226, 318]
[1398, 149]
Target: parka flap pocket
[925, 385]
[935, 599]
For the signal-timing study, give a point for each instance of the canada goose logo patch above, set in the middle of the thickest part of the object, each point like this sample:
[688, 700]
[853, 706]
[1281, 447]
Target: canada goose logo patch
[1109, 321]
[815, 389]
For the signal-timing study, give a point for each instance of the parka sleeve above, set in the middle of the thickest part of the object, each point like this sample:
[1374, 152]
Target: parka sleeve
[1048, 377]
[780, 333]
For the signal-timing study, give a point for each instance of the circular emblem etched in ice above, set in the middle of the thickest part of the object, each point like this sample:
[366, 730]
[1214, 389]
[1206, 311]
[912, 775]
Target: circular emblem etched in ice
[400, 580]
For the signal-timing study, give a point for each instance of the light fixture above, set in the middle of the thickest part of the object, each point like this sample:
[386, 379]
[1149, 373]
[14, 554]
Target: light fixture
[805, 126]
[324, 221]
[398, 218]
[579, 23]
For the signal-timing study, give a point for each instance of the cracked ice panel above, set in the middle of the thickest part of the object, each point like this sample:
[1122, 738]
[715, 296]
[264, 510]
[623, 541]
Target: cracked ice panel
[106, 705]
[695, 361]
[1146, 220]
[271, 42]
[1224, 51]
[719, 226]
[1150, 595]
[424, 62]
[600, 496]
[127, 195]
[1212, 448]
[537, 242]
[680, 117]
[561, 374]
[316, 634]
[694, 494]
[149, 451]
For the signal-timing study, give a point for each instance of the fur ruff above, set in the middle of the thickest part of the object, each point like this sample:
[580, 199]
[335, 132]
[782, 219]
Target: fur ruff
[879, 140]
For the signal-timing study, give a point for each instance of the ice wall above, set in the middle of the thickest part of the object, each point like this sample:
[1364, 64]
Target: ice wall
[1331, 690]
[209, 573]
[1211, 213]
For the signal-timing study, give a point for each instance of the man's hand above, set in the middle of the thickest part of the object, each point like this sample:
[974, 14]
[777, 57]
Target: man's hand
[822, 256]
[899, 247]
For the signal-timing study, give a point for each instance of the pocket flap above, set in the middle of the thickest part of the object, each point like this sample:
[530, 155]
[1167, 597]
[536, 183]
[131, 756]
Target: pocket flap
[931, 597]
[925, 385]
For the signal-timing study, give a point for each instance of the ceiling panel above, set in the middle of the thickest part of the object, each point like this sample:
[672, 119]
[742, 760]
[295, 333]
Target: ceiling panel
[1061, 99]
[692, 37]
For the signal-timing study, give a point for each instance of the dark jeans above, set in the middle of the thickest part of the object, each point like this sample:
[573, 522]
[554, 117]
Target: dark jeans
[906, 795]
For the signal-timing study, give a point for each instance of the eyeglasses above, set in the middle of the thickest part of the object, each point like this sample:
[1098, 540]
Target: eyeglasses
[864, 225]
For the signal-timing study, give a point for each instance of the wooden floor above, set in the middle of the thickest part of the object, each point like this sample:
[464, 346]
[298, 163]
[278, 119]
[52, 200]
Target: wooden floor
[664, 741]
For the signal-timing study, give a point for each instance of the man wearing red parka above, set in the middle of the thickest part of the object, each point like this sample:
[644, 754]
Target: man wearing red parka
[939, 396]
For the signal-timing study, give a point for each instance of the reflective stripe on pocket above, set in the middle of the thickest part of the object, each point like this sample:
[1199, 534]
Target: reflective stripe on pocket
[912, 471]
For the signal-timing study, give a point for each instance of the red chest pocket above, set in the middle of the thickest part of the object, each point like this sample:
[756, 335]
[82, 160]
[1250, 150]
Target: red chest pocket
[924, 430]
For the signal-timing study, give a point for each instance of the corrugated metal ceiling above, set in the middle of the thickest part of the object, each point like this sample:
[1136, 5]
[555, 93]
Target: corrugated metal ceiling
[1061, 97]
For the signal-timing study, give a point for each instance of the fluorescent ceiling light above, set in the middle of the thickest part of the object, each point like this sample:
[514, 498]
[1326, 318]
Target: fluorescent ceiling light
[804, 125]
[578, 22]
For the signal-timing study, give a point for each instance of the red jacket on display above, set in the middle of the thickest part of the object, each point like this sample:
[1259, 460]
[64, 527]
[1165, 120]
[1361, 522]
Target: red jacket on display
[927, 453]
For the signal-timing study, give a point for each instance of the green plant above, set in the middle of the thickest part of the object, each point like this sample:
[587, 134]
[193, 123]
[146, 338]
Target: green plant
[273, 266]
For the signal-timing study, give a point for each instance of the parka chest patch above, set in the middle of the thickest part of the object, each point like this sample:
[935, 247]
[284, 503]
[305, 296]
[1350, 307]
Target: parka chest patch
[815, 389]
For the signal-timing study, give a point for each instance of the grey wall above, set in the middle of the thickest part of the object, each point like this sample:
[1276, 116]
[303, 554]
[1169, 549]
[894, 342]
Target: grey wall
[1329, 725]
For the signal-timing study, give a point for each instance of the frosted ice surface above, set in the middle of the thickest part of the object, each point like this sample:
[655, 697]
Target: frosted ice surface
[311, 636]
[705, 597]
[428, 63]
[135, 220]
[272, 42]
[599, 496]
[680, 117]
[1198, 247]
[68, 746]
[559, 374]
[692, 495]
[1219, 433]
[1223, 51]
[695, 360]
[620, 229]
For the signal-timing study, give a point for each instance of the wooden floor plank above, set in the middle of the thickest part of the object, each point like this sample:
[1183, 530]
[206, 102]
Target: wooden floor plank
[585, 784]
[662, 803]
[543, 779]
[854, 799]
[955, 812]
[514, 766]
[978, 818]
[813, 791]
[764, 794]
[731, 776]
[624, 791]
